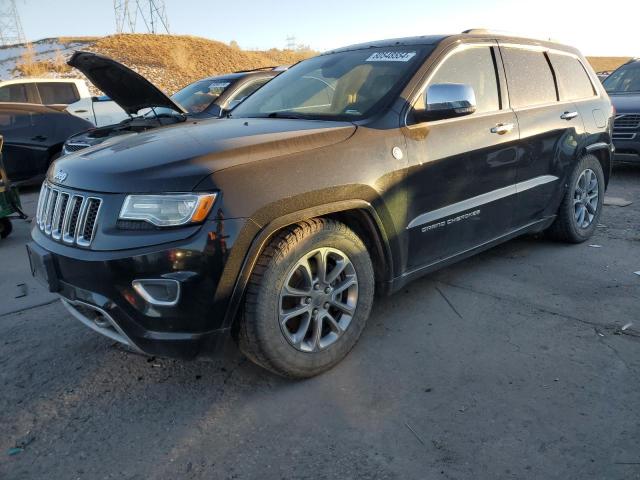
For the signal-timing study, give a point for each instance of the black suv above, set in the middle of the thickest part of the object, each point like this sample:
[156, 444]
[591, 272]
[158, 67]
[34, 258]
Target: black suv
[624, 87]
[363, 167]
[209, 97]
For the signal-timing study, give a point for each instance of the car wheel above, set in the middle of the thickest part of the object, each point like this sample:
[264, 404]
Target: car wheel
[5, 227]
[308, 299]
[581, 206]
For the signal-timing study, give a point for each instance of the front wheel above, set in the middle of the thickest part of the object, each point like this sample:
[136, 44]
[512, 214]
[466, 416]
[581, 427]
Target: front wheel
[581, 207]
[308, 299]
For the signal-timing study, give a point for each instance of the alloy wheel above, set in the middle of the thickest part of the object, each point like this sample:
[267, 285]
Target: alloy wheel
[585, 198]
[318, 300]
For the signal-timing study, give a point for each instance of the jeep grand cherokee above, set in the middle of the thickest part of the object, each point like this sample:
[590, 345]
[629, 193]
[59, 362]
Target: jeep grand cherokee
[363, 167]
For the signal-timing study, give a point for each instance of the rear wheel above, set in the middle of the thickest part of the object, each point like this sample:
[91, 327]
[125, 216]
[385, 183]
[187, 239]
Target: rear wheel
[308, 299]
[581, 206]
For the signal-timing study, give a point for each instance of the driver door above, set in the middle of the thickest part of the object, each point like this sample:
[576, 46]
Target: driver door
[462, 173]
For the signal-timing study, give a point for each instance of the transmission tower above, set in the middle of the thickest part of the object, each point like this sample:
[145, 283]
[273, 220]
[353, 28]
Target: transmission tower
[151, 13]
[10, 25]
[291, 43]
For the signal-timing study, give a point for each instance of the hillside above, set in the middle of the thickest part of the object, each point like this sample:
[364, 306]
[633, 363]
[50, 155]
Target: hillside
[601, 64]
[169, 61]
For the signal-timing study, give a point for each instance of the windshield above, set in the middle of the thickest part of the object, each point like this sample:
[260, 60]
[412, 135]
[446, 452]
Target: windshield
[345, 85]
[626, 79]
[198, 96]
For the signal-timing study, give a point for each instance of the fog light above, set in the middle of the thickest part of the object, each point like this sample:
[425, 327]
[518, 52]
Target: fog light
[158, 291]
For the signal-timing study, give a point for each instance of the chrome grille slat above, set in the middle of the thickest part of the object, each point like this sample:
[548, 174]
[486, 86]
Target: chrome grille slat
[67, 216]
[51, 206]
[627, 121]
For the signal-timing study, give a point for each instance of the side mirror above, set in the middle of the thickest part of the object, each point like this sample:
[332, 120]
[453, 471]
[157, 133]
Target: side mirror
[447, 100]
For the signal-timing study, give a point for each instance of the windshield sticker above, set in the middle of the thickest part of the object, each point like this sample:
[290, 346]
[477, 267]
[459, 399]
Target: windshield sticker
[391, 57]
[220, 85]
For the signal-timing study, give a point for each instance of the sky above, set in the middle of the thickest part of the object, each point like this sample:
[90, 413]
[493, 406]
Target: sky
[326, 24]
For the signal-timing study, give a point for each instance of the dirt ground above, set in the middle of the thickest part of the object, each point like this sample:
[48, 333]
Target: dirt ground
[512, 364]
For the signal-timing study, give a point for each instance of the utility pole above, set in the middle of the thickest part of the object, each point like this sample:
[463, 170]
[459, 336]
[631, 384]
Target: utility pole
[152, 13]
[10, 26]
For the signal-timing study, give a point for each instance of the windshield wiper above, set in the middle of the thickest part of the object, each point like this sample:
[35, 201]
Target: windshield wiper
[291, 115]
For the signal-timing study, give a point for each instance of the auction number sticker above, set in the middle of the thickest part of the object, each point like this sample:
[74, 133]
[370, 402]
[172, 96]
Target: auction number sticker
[391, 57]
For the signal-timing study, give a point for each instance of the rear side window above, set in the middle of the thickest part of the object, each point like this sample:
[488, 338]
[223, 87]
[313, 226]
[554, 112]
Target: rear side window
[10, 121]
[474, 67]
[573, 81]
[13, 93]
[529, 77]
[52, 93]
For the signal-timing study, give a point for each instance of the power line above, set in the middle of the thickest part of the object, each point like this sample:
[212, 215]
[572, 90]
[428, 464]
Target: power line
[10, 26]
[151, 13]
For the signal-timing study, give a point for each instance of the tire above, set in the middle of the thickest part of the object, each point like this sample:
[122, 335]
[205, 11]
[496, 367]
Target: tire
[5, 227]
[273, 337]
[568, 226]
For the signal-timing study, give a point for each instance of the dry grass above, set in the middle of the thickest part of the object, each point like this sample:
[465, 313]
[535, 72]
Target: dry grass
[28, 66]
[173, 61]
[601, 64]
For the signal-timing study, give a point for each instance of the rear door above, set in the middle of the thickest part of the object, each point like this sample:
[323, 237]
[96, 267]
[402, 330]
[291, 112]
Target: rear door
[23, 157]
[550, 130]
[461, 177]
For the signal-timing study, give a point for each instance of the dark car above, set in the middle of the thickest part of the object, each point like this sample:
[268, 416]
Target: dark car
[33, 137]
[623, 86]
[355, 171]
[207, 98]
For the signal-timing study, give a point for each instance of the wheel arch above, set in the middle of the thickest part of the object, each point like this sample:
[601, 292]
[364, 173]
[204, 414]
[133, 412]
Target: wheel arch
[358, 214]
[602, 151]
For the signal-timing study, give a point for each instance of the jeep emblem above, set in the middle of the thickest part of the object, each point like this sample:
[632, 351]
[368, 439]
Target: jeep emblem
[61, 176]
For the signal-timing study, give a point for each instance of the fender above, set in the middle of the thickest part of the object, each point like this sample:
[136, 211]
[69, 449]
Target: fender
[261, 239]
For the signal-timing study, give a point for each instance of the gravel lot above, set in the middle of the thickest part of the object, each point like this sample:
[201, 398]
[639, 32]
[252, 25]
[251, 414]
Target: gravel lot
[512, 364]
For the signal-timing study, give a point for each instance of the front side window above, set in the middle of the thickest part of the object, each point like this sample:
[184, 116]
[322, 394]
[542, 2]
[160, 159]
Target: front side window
[625, 79]
[572, 78]
[529, 77]
[57, 93]
[474, 67]
[198, 96]
[238, 97]
[347, 85]
[13, 93]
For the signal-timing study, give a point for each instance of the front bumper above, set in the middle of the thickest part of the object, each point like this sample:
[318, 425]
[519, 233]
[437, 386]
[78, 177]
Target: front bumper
[627, 150]
[96, 287]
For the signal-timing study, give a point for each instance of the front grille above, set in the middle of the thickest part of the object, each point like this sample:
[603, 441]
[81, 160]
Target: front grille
[74, 147]
[67, 216]
[624, 135]
[627, 121]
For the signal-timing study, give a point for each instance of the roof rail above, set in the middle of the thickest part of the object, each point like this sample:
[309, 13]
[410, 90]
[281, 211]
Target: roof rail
[259, 69]
[484, 31]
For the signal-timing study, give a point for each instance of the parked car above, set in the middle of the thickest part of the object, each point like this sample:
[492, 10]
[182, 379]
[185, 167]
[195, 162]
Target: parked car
[44, 91]
[100, 111]
[623, 85]
[151, 108]
[363, 167]
[33, 138]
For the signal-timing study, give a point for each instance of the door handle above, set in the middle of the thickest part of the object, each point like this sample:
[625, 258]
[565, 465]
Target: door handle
[502, 128]
[39, 138]
[80, 111]
[569, 115]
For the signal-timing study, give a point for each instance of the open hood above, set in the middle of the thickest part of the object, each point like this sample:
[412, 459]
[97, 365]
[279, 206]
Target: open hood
[128, 89]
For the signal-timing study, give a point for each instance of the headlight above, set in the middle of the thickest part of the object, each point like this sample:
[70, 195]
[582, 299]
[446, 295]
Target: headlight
[168, 210]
